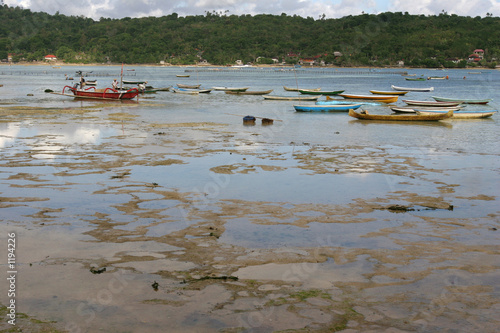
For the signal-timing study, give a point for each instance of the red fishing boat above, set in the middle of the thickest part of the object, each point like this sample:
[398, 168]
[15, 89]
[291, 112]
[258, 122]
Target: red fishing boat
[108, 93]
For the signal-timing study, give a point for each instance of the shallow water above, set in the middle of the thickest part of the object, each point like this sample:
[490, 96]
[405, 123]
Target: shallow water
[175, 186]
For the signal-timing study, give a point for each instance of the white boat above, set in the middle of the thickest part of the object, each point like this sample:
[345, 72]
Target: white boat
[402, 109]
[412, 89]
[431, 103]
[191, 91]
[461, 114]
[230, 88]
[291, 98]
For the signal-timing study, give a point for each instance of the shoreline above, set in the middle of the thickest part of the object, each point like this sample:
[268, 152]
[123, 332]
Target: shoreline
[61, 64]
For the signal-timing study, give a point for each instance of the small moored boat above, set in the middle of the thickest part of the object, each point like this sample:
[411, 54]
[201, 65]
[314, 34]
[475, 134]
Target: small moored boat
[379, 98]
[381, 92]
[106, 94]
[392, 117]
[476, 114]
[290, 98]
[230, 89]
[133, 82]
[430, 103]
[415, 78]
[325, 108]
[263, 92]
[412, 89]
[188, 86]
[320, 92]
[297, 89]
[462, 100]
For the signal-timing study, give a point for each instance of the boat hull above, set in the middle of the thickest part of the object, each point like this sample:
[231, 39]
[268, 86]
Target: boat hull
[412, 89]
[230, 89]
[297, 89]
[467, 101]
[107, 93]
[462, 114]
[381, 92]
[313, 92]
[380, 98]
[291, 98]
[326, 108]
[416, 117]
[431, 103]
[264, 92]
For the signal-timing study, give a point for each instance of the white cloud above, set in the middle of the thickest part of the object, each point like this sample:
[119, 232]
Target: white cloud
[305, 8]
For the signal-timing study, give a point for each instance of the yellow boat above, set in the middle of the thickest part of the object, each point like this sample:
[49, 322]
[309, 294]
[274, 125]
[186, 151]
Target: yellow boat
[381, 92]
[378, 98]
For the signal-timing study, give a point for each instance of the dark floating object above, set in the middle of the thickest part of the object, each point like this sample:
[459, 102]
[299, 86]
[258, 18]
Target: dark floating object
[207, 277]
[97, 271]
[249, 120]
[49, 90]
[267, 121]
[155, 286]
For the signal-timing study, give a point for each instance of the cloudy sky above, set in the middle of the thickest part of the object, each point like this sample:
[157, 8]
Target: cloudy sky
[305, 8]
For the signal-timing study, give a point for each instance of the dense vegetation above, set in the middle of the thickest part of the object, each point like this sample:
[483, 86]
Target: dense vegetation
[219, 38]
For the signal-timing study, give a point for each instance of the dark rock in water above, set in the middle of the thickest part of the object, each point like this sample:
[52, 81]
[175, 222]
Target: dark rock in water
[267, 121]
[155, 286]
[249, 120]
[48, 90]
[399, 208]
[97, 271]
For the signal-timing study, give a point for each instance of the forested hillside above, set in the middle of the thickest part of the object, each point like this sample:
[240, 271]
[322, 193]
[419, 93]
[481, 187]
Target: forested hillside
[219, 38]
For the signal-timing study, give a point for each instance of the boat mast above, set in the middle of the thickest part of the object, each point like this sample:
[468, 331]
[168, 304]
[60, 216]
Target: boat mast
[121, 78]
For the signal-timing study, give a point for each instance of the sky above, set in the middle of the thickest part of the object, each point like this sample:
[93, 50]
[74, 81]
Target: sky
[306, 8]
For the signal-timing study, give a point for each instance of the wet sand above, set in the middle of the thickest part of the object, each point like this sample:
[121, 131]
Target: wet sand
[108, 240]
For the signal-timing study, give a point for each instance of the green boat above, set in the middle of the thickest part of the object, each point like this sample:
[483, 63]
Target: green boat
[462, 100]
[415, 79]
[311, 92]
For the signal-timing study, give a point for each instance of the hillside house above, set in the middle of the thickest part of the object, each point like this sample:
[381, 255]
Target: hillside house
[50, 57]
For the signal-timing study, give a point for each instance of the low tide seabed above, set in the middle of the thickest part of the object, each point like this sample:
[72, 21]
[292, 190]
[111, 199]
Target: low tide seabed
[170, 215]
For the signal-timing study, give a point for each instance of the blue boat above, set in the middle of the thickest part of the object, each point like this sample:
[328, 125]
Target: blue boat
[326, 108]
[343, 102]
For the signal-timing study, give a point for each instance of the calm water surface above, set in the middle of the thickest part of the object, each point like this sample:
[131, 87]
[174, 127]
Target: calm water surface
[88, 181]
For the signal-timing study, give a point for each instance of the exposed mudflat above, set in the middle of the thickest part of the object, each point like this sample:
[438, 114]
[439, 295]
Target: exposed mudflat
[132, 224]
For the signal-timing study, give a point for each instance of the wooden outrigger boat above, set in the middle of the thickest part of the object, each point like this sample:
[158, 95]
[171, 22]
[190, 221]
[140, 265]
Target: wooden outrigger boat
[229, 89]
[133, 82]
[415, 79]
[325, 108]
[378, 98]
[464, 100]
[105, 94]
[263, 92]
[188, 86]
[297, 89]
[431, 103]
[461, 114]
[413, 110]
[412, 89]
[392, 117]
[319, 92]
[290, 98]
[343, 101]
[381, 92]
[182, 75]
[191, 91]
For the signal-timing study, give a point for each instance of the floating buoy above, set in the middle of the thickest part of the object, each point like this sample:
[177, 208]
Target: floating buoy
[267, 121]
[249, 120]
